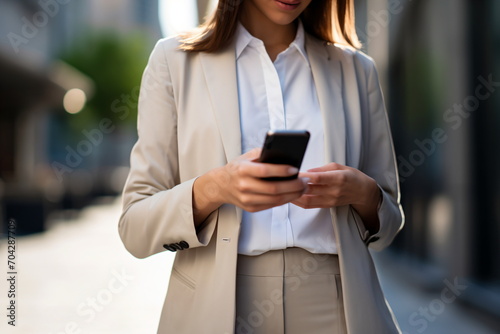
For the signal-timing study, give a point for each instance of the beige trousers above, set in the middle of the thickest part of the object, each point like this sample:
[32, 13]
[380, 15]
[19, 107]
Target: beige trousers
[287, 292]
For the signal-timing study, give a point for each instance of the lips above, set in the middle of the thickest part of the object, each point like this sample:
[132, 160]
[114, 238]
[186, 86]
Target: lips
[291, 3]
[287, 4]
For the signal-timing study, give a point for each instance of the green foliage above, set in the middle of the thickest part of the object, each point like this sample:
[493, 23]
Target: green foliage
[115, 64]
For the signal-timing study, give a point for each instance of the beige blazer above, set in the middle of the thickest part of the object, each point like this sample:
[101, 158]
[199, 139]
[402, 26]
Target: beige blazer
[189, 123]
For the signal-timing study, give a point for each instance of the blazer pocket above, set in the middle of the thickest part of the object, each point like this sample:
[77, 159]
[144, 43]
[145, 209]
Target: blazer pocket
[184, 279]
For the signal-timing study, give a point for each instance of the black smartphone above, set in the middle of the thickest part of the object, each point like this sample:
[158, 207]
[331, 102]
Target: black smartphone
[285, 147]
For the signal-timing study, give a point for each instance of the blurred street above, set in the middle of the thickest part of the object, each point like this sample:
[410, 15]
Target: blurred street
[419, 311]
[78, 278]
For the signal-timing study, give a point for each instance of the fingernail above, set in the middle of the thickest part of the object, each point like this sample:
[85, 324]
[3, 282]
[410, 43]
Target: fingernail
[306, 180]
[293, 170]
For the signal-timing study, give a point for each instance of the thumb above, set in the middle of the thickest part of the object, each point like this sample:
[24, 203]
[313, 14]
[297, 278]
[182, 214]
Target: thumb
[327, 168]
[252, 154]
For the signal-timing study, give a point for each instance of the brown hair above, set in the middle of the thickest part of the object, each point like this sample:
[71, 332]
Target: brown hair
[329, 20]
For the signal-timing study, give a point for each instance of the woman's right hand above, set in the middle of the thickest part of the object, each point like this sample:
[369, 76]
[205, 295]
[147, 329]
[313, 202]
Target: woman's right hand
[239, 183]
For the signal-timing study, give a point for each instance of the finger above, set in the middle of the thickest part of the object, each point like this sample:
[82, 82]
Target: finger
[259, 186]
[328, 167]
[300, 204]
[260, 170]
[317, 189]
[256, 208]
[305, 201]
[311, 202]
[316, 177]
[332, 178]
[252, 154]
[284, 187]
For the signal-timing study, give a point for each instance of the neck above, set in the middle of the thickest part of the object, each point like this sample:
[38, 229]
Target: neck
[273, 35]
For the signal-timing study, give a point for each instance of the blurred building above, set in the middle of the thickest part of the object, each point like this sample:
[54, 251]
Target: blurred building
[26, 95]
[33, 87]
[440, 68]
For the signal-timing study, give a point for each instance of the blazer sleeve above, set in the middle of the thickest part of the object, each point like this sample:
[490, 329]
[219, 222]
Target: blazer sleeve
[378, 160]
[157, 207]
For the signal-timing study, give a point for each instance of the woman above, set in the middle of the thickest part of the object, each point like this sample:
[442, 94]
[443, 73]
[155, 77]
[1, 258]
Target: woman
[257, 256]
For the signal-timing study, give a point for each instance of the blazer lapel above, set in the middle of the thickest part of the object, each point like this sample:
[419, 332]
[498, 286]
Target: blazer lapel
[355, 259]
[327, 75]
[220, 76]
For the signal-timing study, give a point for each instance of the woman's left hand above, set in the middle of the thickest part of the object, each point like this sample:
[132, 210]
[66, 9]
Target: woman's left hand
[337, 185]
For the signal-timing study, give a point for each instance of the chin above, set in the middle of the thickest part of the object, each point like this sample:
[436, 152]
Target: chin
[283, 20]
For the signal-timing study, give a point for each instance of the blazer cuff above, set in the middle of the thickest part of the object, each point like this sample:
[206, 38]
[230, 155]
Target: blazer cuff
[387, 212]
[390, 219]
[185, 229]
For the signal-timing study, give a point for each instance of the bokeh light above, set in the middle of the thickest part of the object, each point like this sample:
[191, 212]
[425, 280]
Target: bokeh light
[74, 100]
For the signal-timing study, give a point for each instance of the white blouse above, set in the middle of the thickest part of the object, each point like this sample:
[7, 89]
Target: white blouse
[272, 96]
